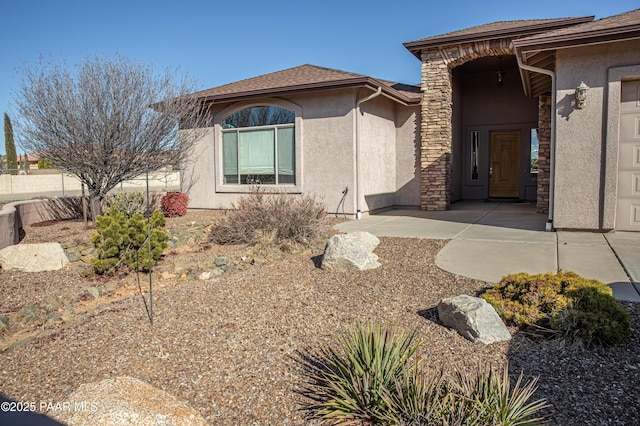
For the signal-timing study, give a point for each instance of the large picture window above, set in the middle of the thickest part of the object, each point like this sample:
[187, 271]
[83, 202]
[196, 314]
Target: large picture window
[258, 146]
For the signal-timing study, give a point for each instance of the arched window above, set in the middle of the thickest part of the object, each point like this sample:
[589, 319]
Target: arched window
[258, 146]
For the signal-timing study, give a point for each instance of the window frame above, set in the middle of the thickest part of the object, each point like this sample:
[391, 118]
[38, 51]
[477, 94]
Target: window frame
[276, 159]
[220, 185]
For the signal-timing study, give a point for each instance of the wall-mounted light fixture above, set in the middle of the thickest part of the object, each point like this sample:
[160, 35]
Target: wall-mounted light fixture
[581, 95]
[500, 73]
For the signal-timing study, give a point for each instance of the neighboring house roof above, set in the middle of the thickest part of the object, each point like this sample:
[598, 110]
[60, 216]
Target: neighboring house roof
[307, 78]
[495, 30]
[539, 50]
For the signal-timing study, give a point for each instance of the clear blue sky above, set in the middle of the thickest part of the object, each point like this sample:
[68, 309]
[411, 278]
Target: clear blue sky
[217, 42]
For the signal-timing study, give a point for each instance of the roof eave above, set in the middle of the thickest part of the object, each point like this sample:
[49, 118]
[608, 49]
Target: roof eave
[526, 49]
[417, 46]
[312, 87]
[602, 35]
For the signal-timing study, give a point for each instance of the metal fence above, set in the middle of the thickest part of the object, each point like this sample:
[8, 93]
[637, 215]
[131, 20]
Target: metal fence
[23, 184]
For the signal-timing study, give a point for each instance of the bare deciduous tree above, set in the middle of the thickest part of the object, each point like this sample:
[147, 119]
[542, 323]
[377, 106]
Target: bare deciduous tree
[110, 120]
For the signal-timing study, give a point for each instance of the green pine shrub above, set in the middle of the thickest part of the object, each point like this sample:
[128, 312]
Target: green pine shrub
[282, 217]
[565, 305]
[371, 378]
[121, 241]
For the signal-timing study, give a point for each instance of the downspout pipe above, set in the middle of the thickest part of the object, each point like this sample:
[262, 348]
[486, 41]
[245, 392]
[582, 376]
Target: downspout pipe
[357, 148]
[552, 147]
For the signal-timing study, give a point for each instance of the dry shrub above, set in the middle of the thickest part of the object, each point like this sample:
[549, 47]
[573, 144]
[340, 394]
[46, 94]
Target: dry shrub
[273, 218]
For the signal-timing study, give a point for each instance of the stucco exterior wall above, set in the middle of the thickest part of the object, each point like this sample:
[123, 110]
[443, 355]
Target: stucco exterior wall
[325, 153]
[378, 153]
[585, 172]
[407, 156]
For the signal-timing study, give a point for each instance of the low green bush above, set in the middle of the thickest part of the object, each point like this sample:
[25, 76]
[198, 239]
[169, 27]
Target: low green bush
[121, 241]
[565, 305]
[371, 378]
[280, 217]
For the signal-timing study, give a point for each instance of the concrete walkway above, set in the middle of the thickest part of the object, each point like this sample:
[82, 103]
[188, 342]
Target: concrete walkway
[491, 240]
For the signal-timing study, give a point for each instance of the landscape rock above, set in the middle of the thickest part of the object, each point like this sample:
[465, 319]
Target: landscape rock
[473, 318]
[128, 401]
[351, 252]
[33, 257]
[94, 292]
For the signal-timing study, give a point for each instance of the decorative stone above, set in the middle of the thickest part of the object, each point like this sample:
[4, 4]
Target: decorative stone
[128, 401]
[205, 276]
[473, 318]
[220, 261]
[351, 252]
[73, 256]
[33, 257]
[51, 303]
[94, 291]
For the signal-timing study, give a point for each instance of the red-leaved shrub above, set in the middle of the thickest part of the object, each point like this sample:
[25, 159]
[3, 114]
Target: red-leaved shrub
[175, 204]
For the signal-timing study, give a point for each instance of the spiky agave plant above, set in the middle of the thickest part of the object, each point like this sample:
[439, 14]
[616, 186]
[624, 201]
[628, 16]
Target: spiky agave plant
[485, 397]
[418, 398]
[351, 381]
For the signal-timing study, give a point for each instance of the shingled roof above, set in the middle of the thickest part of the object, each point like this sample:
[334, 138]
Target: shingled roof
[495, 30]
[307, 78]
[618, 27]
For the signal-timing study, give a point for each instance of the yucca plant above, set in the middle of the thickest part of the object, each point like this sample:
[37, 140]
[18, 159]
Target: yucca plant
[351, 382]
[418, 398]
[371, 378]
[486, 398]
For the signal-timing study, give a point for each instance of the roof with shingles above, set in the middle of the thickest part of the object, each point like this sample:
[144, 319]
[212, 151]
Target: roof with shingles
[618, 27]
[306, 78]
[500, 29]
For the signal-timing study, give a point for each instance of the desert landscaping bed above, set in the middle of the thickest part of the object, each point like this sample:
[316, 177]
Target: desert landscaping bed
[229, 346]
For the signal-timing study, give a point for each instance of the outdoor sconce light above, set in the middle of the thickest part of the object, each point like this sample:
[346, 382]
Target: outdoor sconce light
[581, 95]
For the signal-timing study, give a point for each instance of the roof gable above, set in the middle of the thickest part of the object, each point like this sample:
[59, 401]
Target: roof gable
[495, 30]
[306, 78]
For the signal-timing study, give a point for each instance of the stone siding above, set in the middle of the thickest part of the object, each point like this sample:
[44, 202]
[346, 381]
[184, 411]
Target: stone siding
[437, 110]
[544, 153]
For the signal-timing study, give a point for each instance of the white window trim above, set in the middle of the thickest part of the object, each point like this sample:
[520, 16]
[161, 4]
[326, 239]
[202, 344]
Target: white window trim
[220, 186]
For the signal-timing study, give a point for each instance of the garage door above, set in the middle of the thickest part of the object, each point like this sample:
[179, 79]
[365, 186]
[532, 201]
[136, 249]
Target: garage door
[628, 204]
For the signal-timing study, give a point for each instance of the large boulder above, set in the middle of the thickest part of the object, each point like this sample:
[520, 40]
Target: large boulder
[351, 252]
[473, 318]
[33, 257]
[127, 401]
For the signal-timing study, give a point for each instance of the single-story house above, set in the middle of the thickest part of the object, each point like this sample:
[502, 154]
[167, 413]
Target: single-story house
[545, 111]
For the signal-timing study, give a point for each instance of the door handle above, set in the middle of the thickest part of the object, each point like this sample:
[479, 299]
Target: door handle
[490, 172]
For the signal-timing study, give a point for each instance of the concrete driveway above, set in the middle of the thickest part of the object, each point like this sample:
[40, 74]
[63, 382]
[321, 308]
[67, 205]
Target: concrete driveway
[491, 240]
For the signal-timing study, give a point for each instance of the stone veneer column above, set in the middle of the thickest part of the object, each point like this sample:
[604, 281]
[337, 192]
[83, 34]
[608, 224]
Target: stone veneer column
[437, 110]
[435, 131]
[544, 153]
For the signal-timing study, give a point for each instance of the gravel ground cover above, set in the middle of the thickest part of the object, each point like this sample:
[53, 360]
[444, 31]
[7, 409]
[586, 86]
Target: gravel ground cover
[230, 346]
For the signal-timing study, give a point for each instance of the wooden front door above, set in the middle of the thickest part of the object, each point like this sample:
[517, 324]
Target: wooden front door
[504, 172]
